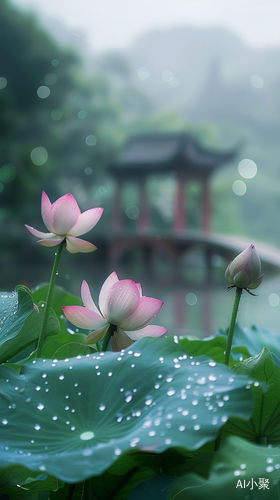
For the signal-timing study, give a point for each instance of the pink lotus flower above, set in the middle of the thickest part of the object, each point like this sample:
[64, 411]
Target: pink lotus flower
[64, 220]
[121, 304]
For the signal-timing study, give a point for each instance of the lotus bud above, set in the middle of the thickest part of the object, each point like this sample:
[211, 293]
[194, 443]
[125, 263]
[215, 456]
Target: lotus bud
[245, 270]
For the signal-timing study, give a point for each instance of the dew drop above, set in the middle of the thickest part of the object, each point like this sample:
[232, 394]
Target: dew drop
[102, 407]
[171, 392]
[148, 401]
[86, 436]
[40, 406]
[134, 442]
[37, 427]
[117, 451]
[61, 377]
[237, 472]
[4, 421]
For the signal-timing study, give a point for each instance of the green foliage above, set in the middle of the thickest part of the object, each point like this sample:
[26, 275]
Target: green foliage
[71, 400]
[20, 324]
[19, 483]
[238, 462]
[264, 426]
[254, 338]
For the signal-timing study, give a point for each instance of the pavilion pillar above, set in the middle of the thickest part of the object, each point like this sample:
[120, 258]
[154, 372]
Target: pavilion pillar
[180, 219]
[117, 219]
[144, 219]
[206, 206]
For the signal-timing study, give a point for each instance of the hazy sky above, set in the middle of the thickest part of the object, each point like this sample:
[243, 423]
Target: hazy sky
[113, 24]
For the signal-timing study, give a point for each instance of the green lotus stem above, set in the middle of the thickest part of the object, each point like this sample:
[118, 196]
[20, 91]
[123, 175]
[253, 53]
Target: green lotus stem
[107, 337]
[232, 323]
[48, 300]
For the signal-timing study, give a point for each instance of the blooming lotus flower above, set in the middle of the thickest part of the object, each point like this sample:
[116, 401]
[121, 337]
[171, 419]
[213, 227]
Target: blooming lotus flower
[121, 304]
[64, 220]
[245, 270]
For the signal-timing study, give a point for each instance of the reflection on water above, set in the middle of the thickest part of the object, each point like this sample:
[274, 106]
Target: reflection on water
[210, 308]
[189, 307]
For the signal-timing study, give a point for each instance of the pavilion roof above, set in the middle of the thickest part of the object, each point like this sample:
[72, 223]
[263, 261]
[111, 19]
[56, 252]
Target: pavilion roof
[156, 153]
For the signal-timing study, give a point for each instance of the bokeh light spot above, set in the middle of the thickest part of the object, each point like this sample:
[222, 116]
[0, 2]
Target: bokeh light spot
[132, 212]
[39, 156]
[82, 115]
[167, 75]
[67, 276]
[174, 82]
[55, 62]
[257, 81]
[56, 115]
[7, 173]
[239, 188]
[247, 168]
[88, 171]
[91, 140]
[3, 82]
[274, 299]
[102, 190]
[50, 79]
[191, 299]
[143, 73]
[43, 92]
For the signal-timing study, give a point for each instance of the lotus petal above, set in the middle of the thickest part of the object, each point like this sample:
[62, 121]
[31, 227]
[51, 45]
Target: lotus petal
[83, 317]
[87, 298]
[97, 335]
[75, 245]
[146, 311]
[122, 300]
[120, 340]
[52, 242]
[104, 292]
[64, 214]
[39, 234]
[46, 211]
[241, 279]
[86, 221]
[148, 331]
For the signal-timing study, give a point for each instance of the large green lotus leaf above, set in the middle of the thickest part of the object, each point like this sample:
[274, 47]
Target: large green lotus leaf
[240, 470]
[157, 488]
[66, 336]
[264, 426]
[214, 348]
[72, 349]
[18, 482]
[176, 463]
[14, 309]
[255, 339]
[74, 418]
[60, 297]
[109, 487]
[21, 324]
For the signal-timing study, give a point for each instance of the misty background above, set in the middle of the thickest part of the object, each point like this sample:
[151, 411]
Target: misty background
[69, 102]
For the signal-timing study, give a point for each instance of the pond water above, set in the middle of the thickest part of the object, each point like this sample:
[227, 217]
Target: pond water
[189, 309]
